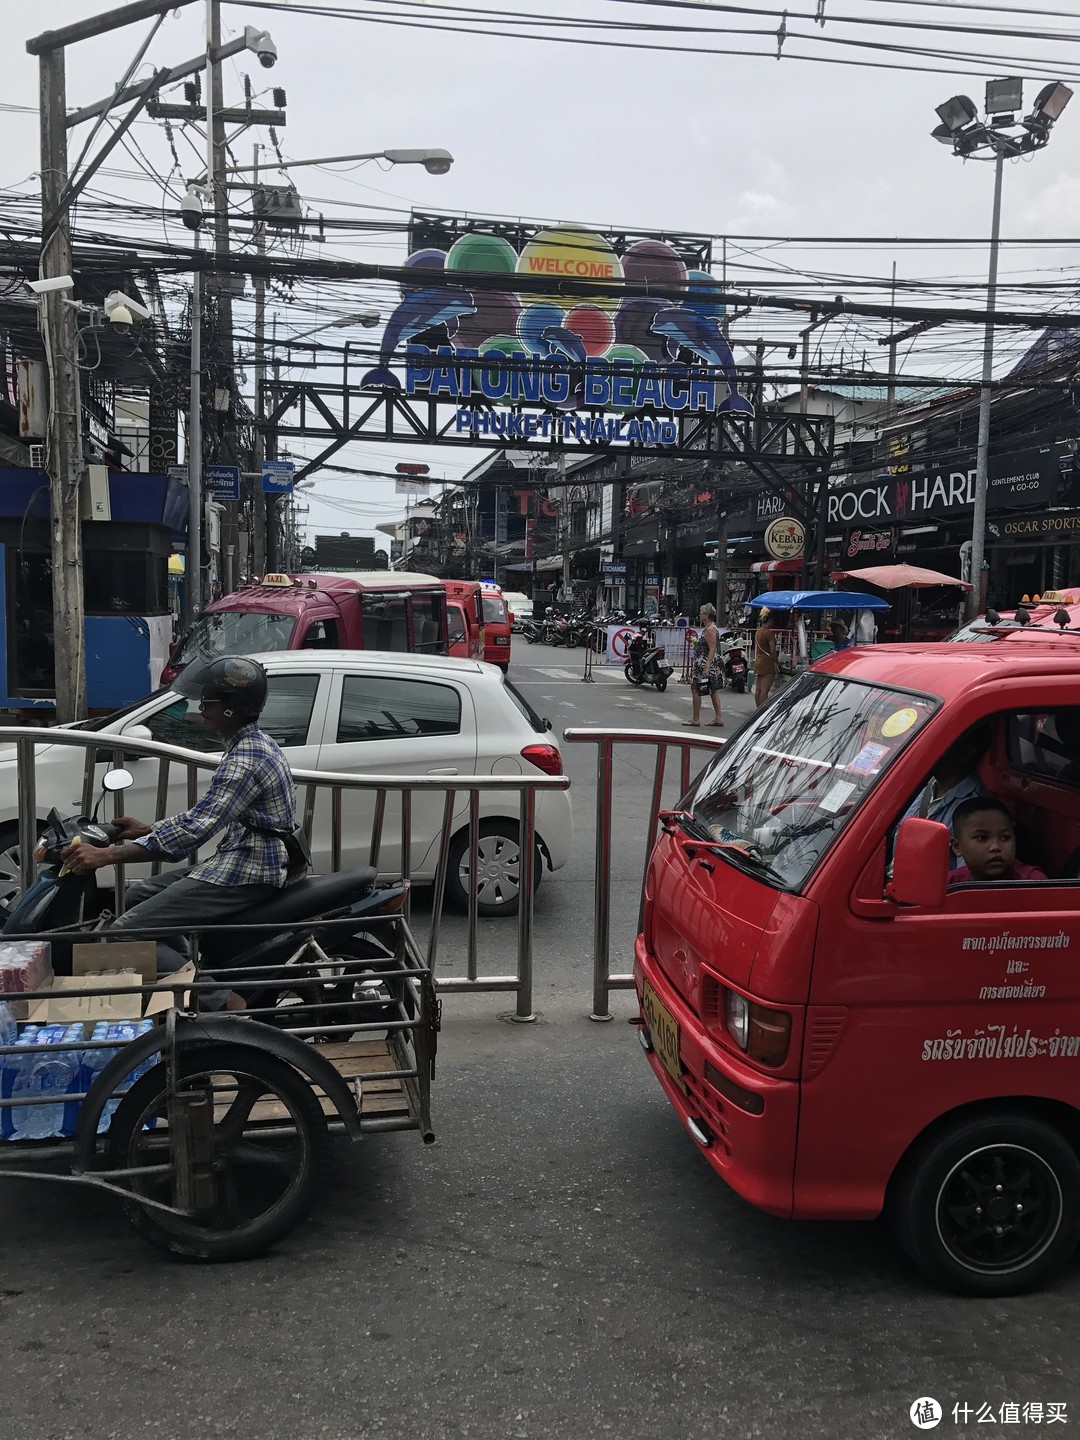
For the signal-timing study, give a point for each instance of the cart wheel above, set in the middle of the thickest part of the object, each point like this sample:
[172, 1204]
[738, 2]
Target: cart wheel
[261, 1185]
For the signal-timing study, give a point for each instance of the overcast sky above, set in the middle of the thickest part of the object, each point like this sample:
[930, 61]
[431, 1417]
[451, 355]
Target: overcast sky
[695, 143]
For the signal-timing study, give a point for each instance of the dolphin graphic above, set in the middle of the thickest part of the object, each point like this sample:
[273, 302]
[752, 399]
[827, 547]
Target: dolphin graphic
[689, 329]
[420, 310]
[561, 341]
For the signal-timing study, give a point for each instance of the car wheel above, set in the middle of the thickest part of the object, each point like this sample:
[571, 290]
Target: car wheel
[498, 869]
[10, 883]
[990, 1205]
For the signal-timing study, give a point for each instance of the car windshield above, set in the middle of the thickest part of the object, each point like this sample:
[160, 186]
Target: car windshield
[494, 610]
[235, 632]
[977, 631]
[780, 793]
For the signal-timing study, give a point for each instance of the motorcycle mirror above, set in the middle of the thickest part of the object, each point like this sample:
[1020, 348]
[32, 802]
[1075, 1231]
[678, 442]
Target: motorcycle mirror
[118, 779]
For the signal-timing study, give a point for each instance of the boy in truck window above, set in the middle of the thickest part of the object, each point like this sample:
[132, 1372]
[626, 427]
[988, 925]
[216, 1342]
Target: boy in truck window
[985, 843]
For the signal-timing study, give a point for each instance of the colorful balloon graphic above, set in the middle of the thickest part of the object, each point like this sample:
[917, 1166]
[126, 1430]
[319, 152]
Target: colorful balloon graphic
[704, 295]
[595, 327]
[496, 314]
[571, 253]
[535, 318]
[490, 254]
[633, 322]
[625, 356]
[653, 263]
[422, 260]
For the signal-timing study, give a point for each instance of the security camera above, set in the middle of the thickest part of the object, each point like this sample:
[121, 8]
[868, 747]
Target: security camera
[259, 42]
[119, 317]
[120, 308]
[191, 209]
[46, 287]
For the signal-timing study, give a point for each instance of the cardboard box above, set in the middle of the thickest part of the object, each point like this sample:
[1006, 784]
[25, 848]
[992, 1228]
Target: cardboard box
[61, 1007]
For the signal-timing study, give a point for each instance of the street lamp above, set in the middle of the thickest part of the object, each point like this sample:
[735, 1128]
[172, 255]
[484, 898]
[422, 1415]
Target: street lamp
[435, 162]
[367, 318]
[999, 137]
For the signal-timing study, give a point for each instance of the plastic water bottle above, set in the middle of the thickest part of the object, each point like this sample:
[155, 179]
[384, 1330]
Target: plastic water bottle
[9, 1031]
[73, 1035]
[16, 1084]
[10, 1072]
[52, 1075]
[93, 1062]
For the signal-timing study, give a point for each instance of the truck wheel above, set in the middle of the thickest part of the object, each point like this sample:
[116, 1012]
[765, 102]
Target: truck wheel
[498, 868]
[264, 1183]
[991, 1205]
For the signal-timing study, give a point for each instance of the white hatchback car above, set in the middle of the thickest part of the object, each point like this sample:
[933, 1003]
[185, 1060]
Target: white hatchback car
[358, 712]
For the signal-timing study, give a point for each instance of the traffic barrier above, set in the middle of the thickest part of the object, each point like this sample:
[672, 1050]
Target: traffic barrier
[309, 783]
[606, 741]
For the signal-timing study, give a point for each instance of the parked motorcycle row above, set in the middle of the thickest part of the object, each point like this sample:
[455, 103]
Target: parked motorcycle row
[646, 661]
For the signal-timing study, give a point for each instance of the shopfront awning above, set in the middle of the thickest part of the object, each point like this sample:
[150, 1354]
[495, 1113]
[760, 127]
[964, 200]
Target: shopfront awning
[777, 567]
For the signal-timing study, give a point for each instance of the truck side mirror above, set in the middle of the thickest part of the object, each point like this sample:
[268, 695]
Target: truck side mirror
[920, 874]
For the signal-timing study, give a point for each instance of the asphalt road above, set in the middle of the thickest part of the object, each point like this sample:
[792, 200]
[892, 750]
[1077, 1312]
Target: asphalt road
[562, 1263]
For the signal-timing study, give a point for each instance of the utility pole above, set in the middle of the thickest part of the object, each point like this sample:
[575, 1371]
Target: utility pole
[64, 434]
[890, 396]
[982, 450]
[273, 548]
[257, 563]
[721, 564]
[223, 331]
[193, 587]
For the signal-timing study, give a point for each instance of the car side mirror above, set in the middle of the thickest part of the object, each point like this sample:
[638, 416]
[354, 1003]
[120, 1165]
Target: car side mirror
[920, 873]
[118, 779]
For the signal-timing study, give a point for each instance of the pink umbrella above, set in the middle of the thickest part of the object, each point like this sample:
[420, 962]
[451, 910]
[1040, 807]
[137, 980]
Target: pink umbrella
[896, 577]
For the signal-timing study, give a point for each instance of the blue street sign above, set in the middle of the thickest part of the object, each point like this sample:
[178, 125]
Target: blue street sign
[221, 482]
[277, 476]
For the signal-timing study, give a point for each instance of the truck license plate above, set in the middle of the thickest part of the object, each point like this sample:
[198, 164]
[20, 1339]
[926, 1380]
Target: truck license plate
[664, 1032]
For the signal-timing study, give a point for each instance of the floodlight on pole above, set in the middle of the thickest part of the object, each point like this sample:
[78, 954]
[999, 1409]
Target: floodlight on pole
[1049, 104]
[999, 137]
[1004, 97]
[956, 114]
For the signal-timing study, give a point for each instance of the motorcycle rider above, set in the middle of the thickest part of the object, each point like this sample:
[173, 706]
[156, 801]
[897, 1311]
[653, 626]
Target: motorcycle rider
[251, 797]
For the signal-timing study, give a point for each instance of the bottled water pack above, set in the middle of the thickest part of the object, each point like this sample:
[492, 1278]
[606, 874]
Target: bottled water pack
[37, 1070]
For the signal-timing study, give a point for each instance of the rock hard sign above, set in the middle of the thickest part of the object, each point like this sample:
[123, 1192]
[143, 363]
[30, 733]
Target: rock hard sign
[1026, 479]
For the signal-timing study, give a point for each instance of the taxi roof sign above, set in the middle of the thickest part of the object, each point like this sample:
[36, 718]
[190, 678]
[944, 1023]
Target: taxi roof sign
[276, 579]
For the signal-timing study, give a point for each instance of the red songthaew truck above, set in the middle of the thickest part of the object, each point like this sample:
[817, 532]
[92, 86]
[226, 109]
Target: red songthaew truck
[844, 1030]
[370, 610]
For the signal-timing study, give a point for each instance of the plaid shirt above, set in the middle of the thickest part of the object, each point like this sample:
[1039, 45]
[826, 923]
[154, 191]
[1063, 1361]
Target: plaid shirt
[252, 786]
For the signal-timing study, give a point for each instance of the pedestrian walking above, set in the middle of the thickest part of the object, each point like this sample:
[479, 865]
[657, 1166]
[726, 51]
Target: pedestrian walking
[765, 661]
[707, 673]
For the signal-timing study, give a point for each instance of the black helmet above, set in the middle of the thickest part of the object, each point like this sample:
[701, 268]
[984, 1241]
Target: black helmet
[239, 683]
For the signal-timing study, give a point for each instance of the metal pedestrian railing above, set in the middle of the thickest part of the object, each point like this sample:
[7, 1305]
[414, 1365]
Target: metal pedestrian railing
[103, 749]
[606, 742]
